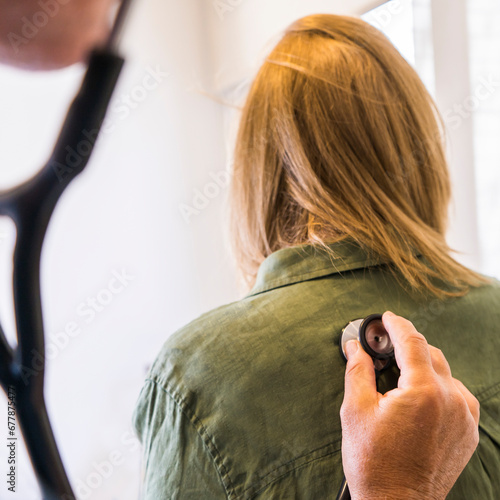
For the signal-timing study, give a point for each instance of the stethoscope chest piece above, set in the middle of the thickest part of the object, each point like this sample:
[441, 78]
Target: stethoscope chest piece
[373, 337]
[370, 332]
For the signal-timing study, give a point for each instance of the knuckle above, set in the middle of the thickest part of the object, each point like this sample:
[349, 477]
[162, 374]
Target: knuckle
[416, 344]
[354, 370]
[433, 397]
[438, 353]
[418, 340]
[346, 412]
[476, 437]
[471, 437]
[441, 358]
[476, 403]
[457, 401]
[352, 416]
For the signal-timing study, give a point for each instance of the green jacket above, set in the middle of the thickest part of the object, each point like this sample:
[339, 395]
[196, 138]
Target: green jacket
[243, 403]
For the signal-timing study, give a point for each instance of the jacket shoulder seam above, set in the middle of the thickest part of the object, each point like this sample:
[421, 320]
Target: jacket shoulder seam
[202, 432]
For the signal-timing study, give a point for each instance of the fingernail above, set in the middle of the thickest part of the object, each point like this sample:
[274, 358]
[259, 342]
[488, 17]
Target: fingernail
[351, 348]
[389, 314]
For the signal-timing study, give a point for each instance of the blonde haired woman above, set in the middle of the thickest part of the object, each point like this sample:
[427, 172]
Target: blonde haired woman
[339, 204]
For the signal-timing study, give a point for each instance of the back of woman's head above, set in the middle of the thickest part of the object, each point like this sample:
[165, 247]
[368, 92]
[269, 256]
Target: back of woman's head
[340, 139]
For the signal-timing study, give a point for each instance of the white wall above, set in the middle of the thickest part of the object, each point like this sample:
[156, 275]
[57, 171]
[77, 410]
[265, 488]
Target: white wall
[484, 110]
[243, 31]
[453, 88]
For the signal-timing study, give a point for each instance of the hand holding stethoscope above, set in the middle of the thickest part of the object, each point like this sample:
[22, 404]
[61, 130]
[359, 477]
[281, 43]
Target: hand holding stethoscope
[415, 440]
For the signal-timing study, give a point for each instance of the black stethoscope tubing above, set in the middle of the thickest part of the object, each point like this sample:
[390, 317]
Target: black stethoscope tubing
[30, 206]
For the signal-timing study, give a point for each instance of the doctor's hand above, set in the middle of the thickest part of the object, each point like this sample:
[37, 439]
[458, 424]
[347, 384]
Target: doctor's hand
[51, 34]
[414, 441]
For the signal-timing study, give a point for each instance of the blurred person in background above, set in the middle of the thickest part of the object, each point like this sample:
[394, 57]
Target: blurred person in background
[52, 34]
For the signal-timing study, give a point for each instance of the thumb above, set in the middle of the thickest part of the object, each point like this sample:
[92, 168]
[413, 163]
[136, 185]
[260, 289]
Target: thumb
[360, 382]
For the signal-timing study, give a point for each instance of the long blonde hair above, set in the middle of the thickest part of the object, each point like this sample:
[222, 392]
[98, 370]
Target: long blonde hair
[340, 139]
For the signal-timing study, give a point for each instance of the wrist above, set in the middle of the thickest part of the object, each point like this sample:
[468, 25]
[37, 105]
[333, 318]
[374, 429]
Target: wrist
[400, 494]
[395, 496]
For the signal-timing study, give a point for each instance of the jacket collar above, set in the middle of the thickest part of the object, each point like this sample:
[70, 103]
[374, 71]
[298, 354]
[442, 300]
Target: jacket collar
[306, 262]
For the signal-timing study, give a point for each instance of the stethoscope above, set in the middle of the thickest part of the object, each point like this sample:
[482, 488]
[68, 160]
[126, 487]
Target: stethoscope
[375, 340]
[30, 205]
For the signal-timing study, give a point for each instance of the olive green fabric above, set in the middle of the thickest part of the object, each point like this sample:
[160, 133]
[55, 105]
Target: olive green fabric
[243, 403]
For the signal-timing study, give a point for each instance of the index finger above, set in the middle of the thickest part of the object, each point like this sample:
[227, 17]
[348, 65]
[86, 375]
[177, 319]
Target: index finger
[411, 350]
